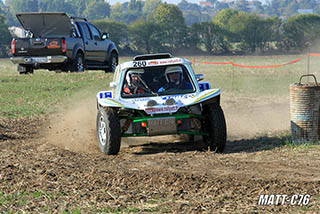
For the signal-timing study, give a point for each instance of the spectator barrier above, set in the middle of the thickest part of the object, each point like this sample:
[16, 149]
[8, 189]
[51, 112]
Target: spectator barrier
[194, 61]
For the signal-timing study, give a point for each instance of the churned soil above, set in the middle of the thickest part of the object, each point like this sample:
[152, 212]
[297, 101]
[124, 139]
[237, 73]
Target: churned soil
[53, 165]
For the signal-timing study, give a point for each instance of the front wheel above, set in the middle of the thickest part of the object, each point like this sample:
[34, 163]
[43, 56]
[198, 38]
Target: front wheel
[215, 125]
[112, 64]
[108, 131]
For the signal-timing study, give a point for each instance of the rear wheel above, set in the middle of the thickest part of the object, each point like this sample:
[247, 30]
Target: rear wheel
[78, 63]
[215, 125]
[108, 131]
[112, 64]
[25, 69]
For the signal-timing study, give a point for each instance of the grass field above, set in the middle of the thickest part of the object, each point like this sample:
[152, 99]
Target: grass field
[42, 92]
[38, 176]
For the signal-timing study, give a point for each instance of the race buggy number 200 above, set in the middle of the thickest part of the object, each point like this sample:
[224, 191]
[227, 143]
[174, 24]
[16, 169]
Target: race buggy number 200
[157, 94]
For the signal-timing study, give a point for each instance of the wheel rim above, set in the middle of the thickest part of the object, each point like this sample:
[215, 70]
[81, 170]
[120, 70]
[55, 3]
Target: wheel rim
[102, 131]
[80, 64]
[114, 64]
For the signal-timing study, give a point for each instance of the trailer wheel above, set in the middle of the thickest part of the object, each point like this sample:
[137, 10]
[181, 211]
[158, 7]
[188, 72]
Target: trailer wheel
[77, 64]
[215, 125]
[108, 131]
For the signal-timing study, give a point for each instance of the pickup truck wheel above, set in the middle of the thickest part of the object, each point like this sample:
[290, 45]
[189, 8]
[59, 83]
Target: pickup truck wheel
[112, 64]
[215, 125]
[78, 63]
[25, 69]
[108, 131]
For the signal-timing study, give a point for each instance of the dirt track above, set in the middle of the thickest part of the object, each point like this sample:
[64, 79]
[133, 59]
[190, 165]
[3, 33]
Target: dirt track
[60, 157]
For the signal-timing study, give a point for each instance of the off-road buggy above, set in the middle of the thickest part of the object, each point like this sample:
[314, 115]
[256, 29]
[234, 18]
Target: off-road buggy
[153, 104]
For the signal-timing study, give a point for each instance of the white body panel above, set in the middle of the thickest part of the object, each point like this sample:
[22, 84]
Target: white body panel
[112, 98]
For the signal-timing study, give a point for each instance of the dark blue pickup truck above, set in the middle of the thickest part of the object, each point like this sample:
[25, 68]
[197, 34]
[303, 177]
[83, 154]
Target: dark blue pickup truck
[58, 42]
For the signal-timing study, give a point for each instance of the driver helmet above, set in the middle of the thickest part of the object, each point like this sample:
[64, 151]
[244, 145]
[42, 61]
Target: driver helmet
[174, 75]
[131, 74]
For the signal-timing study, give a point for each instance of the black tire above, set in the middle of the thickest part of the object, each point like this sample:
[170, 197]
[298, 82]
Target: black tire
[112, 63]
[215, 125]
[25, 69]
[108, 131]
[77, 64]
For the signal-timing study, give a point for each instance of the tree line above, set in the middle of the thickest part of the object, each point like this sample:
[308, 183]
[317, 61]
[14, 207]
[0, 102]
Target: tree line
[162, 27]
[230, 32]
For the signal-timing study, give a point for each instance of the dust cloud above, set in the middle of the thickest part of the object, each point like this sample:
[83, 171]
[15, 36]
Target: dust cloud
[74, 127]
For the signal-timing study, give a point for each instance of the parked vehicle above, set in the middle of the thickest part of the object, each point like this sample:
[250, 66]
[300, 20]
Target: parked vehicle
[58, 42]
[159, 95]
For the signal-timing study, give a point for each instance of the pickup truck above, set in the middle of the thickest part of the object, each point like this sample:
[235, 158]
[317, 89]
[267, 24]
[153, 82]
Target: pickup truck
[58, 42]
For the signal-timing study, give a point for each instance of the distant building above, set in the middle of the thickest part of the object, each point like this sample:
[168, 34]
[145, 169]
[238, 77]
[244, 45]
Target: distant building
[206, 4]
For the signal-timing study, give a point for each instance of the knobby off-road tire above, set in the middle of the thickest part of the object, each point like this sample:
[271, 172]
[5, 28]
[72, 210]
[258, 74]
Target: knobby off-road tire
[108, 131]
[112, 64]
[77, 64]
[215, 125]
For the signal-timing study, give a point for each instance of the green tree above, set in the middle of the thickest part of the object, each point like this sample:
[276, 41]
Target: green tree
[118, 31]
[301, 32]
[56, 5]
[171, 19]
[125, 17]
[150, 7]
[5, 11]
[127, 12]
[192, 17]
[223, 20]
[250, 31]
[211, 36]
[23, 6]
[146, 36]
[97, 9]
[79, 6]
[5, 37]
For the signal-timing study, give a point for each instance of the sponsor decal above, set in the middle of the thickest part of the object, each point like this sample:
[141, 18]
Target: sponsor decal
[293, 200]
[204, 86]
[54, 44]
[103, 95]
[153, 63]
[164, 109]
[170, 61]
[179, 96]
[141, 99]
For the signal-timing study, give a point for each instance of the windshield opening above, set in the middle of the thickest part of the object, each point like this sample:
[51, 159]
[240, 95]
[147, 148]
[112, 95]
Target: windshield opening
[157, 81]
